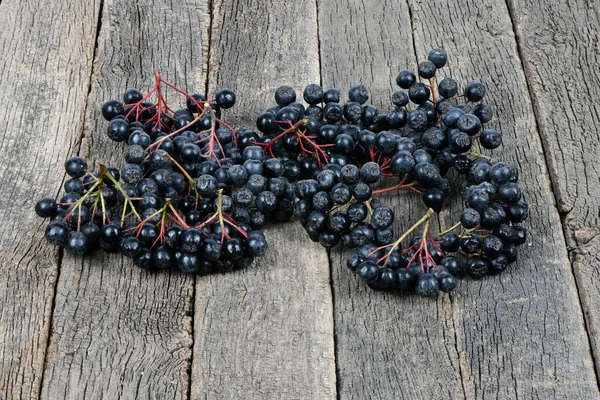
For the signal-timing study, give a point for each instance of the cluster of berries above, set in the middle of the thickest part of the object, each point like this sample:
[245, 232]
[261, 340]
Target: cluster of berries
[196, 193]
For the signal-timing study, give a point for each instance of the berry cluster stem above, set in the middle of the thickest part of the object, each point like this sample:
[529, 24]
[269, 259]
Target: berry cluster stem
[128, 202]
[223, 219]
[78, 203]
[400, 186]
[162, 212]
[453, 227]
[190, 180]
[177, 218]
[294, 128]
[394, 245]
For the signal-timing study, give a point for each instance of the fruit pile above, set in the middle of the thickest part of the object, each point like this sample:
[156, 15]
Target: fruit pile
[195, 193]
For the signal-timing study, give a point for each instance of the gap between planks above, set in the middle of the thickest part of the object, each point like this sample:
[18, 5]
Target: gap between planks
[193, 310]
[329, 259]
[77, 151]
[446, 306]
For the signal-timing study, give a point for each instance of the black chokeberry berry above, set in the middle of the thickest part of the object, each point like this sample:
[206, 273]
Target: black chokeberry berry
[448, 88]
[447, 283]
[313, 94]
[438, 57]
[434, 198]
[450, 242]
[225, 98]
[426, 69]
[46, 207]
[419, 93]
[131, 247]
[111, 109]
[76, 167]
[57, 233]
[77, 243]
[285, 95]
[475, 91]
[405, 79]
[477, 267]
[427, 285]
[132, 95]
[118, 130]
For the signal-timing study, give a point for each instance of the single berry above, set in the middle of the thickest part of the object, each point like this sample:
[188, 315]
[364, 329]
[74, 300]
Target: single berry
[447, 283]
[111, 109]
[76, 167]
[225, 98]
[77, 243]
[438, 57]
[405, 79]
[475, 91]
[46, 207]
[426, 69]
[285, 95]
[427, 285]
[313, 94]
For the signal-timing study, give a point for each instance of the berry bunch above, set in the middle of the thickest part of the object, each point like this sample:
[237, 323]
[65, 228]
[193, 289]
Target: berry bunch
[196, 193]
[170, 204]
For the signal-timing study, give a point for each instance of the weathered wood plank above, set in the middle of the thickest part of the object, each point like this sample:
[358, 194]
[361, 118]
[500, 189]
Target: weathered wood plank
[119, 331]
[384, 342]
[266, 332]
[521, 334]
[559, 48]
[45, 69]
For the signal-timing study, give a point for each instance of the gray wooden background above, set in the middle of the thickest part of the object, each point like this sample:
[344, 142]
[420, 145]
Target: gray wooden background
[298, 325]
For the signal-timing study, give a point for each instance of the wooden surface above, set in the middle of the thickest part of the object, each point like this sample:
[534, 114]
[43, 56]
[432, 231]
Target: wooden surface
[563, 73]
[266, 331]
[298, 324]
[509, 328]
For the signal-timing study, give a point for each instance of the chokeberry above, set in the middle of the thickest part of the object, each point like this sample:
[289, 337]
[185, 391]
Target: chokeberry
[225, 98]
[46, 207]
[427, 285]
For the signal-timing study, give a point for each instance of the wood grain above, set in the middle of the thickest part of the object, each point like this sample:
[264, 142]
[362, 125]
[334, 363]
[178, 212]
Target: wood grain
[559, 47]
[384, 342]
[266, 332]
[119, 331]
[520, 334]
[45, 70]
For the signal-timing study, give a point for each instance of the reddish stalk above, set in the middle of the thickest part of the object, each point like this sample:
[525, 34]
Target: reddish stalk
[432, 87]
[421, 252]
[177, 218]
[372, 153]
[400, 186]
[317, 150]
[426, 218]
[199, 105]
[191, 180]
[269, 146]
[386, 164]
[136, 106]
[163, 109]
[128, 202]
[212, 138]
[223, 219]
[170, 135]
